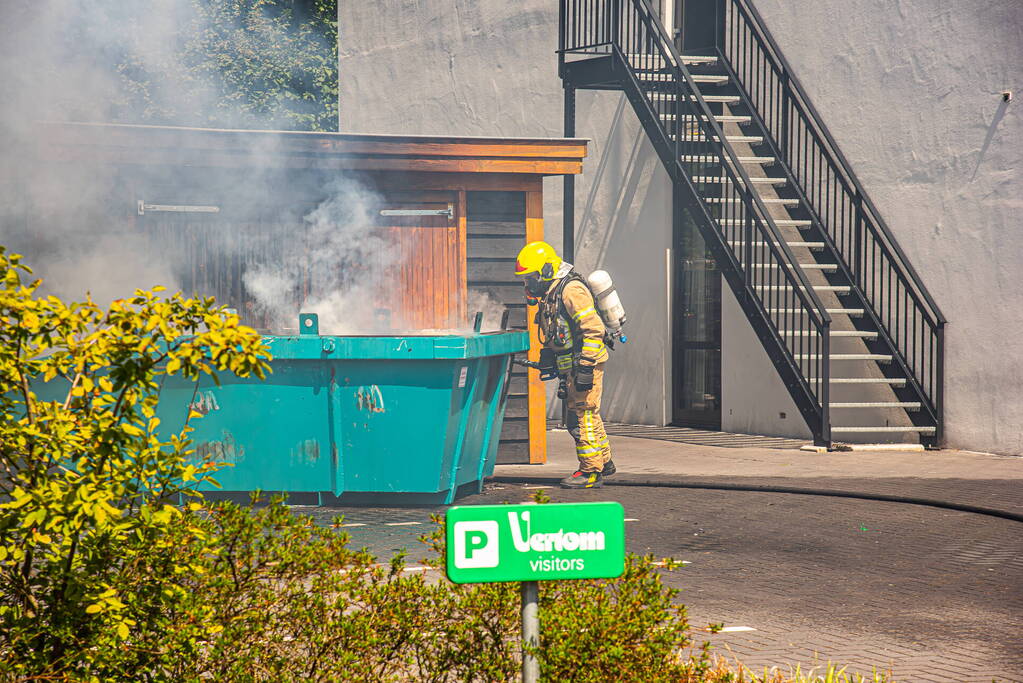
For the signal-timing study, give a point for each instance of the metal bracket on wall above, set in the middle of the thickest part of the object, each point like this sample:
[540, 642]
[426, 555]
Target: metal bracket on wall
[449, 212]
[174, 208]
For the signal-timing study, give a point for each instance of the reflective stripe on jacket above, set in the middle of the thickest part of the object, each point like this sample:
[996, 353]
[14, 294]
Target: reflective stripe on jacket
[580, 307]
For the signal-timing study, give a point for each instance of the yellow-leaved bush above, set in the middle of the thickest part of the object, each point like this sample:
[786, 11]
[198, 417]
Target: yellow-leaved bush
[88, 487]
[112, 568]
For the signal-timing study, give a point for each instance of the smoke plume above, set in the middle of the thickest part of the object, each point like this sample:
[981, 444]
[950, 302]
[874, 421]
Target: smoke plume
[99, 61]
[313, 246]
[345, 267]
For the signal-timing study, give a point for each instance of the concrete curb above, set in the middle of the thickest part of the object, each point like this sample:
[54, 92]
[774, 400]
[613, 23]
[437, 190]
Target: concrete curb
[668, 481]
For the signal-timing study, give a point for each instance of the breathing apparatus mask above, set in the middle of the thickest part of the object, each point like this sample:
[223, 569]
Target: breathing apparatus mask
[537, 283]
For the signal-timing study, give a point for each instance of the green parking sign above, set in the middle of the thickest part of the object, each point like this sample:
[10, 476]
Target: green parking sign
[488, 543]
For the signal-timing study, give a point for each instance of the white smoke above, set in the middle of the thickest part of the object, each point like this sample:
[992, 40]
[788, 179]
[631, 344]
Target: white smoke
[67, 60]
[493, 310]
[83, 61]
[344, 262]
[350, 271]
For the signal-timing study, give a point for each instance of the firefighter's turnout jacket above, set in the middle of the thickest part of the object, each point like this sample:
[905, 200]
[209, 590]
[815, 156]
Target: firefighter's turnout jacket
[571, 327]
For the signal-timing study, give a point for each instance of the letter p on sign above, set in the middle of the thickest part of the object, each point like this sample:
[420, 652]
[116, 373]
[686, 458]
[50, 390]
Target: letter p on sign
[476, 544]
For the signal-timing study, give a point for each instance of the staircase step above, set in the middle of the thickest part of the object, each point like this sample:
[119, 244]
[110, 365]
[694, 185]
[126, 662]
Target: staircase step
[893, 381]
[714, 159]
[748, 139]
[656, 59]
[907, 405]
[720, 118]
[648, 76]
[853, 312]
[718, 99]
[840, 289]
[805, 245]
[834, 333]
[887, 430]
[726, 179]
[699, 59]
[879, 357]
[738, 200]
[781, 222]
[832, 267]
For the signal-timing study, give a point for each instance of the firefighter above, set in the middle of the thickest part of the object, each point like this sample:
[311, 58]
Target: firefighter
[573, 337]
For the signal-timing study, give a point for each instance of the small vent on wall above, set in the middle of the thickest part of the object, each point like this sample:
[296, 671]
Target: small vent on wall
[449, 212]
[145, 208]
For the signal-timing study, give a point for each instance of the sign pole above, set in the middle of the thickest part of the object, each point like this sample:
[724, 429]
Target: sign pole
[530, 543]
[530, 631]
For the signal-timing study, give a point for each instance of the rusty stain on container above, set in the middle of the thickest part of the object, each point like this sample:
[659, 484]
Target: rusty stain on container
[370, 398]
[306, 452]
[224, 450]
[205, 402]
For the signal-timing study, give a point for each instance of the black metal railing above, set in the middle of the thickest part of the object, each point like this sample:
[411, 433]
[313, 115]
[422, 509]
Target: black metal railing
[732, 217]
[900, 305]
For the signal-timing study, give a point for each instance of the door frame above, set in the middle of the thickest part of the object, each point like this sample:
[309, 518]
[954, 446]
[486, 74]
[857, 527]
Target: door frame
[682, 221]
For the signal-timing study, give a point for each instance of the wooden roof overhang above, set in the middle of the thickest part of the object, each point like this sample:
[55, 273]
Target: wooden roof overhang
[167, 145]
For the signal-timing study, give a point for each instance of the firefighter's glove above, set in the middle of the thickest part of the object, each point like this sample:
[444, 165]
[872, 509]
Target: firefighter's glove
[548, 364]
[584, 378]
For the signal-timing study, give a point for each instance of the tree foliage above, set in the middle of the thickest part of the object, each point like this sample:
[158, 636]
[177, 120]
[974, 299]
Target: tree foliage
[272, 62]
[268, 64]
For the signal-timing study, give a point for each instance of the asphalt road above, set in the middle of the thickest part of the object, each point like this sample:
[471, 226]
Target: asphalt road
[930, 594]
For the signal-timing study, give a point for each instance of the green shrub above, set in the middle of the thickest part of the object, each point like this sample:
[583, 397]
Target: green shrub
[102, 578]
[87, 533]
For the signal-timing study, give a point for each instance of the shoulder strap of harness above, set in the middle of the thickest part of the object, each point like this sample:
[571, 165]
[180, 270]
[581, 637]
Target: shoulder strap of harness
[554, 305]
[562, 311]
[609, 339]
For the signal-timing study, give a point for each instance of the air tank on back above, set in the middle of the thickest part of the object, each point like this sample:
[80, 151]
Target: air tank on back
[608, 303]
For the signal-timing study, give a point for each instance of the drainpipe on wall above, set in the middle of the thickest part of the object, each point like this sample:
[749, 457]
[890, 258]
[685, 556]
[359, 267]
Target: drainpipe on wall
[339, 65]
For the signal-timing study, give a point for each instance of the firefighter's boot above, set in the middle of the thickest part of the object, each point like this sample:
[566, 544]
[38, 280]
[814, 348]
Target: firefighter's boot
[609, 469]
[582, 480]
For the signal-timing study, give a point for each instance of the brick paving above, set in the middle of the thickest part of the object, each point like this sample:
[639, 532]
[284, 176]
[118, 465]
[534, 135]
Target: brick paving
[930, 594]
[934, 594]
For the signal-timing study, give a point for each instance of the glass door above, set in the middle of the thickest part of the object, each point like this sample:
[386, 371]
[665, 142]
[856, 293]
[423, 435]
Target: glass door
[697, 335]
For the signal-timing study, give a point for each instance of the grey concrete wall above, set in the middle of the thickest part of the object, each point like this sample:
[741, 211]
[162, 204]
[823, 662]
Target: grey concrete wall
[623, 214]
[754, 400]
[467, 67]
[911, 91]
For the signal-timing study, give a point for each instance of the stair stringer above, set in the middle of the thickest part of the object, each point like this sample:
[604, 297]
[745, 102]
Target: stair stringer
[688, 200]
[928, 415]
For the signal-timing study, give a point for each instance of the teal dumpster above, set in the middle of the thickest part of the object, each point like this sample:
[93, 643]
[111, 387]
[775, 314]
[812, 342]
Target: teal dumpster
[345, 415]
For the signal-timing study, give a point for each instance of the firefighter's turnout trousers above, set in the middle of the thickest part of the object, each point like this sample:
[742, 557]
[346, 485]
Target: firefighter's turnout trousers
[591, 444]
[577, 338]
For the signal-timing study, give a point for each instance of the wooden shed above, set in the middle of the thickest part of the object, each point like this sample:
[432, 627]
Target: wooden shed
[456, 209]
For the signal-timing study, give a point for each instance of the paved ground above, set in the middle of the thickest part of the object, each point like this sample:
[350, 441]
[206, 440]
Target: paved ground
[933, 594]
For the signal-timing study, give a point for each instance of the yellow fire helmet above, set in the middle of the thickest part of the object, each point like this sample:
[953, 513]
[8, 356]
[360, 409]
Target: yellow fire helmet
[539, 258]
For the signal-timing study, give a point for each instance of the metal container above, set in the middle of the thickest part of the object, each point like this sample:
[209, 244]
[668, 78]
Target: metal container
[342, 415]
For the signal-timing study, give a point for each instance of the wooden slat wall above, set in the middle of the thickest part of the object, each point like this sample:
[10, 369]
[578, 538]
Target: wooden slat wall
[425, 290]
[217, 251]
[429, 282]
[496, 231]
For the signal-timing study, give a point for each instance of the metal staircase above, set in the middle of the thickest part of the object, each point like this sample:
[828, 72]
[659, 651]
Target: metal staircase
[846, 321]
